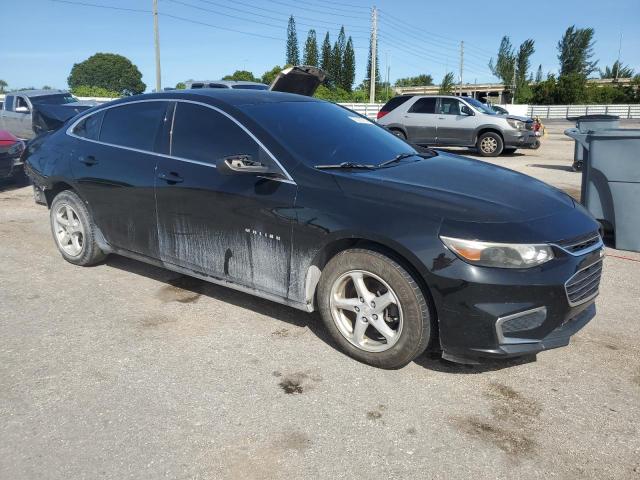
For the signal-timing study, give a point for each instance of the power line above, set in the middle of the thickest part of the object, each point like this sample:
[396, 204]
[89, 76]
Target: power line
[311, 9]
[335, 9]
[338, 3]
[109, 7]
[198, 22]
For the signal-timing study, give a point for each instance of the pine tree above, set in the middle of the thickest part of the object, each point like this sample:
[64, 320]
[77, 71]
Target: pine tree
[575, 51]
[337, 58]
[293, 53]
[539, 74]
[348, 66]
[310, 55]
[325, 58]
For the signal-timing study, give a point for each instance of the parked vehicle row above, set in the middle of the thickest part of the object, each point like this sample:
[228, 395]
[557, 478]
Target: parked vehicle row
[445, 120]
[312, 205]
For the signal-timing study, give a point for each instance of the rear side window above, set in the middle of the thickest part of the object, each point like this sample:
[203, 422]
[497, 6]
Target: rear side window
[8, 103]
[133, 125]
[394, 103]
[203, 134]
[89, 127]
[424, 105]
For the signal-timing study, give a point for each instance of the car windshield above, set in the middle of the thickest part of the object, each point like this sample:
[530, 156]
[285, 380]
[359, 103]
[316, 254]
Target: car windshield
[481, 107]
[327, 134]
[59, 99]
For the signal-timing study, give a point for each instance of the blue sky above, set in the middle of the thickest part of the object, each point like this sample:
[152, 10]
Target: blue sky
[417, 36]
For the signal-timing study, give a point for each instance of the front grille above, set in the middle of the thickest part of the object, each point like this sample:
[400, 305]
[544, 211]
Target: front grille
[579, 244]
[525, 321]
[583, 286]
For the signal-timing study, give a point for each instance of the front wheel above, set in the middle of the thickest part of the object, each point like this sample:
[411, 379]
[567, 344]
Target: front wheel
[490, 144]
[73, 230]
[374, 309]
[398, 133]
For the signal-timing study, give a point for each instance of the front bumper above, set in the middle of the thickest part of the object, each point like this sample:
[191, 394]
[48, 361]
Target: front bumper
[520, 138]
[489, 313]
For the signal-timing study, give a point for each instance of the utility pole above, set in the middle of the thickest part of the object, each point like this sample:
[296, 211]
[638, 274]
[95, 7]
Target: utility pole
[156, 38]
[461, 63]
[615, 75]
[386, 95]
[374, 53]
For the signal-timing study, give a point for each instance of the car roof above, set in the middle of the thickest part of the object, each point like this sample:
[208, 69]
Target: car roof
[231, 97]
[225, 82]
[38, 93]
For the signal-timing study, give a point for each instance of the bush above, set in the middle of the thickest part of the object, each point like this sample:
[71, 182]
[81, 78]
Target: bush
[87, 91]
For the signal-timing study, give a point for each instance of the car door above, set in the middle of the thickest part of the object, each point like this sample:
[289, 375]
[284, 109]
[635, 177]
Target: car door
[113, 161]
[456, 122]
[232, 226]
[17, 116]
[420, 121]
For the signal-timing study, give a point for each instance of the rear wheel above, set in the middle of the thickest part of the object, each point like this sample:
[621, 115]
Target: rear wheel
[490, 144]
[398, 133]
[374, 309]
[73, 230]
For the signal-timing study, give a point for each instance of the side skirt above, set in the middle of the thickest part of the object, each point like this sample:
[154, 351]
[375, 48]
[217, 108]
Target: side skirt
[208, 278]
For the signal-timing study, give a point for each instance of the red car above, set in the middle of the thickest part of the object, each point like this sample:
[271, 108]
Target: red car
[11, 149]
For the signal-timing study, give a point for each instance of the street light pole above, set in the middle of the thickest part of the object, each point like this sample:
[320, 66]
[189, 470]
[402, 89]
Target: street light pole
[156, 35]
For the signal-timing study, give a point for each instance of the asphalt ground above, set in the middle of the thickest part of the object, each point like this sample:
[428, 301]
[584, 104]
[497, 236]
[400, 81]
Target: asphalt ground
[124, 370]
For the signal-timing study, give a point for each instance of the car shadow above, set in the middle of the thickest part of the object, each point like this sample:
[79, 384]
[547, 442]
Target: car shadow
[8, 184]
[284, 313]
[195, 286]
[564, 168]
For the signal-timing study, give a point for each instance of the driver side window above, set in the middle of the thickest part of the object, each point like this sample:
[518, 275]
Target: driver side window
[21, 105]
[449, 106]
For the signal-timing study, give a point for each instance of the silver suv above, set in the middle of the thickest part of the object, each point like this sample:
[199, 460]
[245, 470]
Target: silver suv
[456, 121]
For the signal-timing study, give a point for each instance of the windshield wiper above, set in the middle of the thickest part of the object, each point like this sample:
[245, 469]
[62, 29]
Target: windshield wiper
[402, 156]
[346, 165]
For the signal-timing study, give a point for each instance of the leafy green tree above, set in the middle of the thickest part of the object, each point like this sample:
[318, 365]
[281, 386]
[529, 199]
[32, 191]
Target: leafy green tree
[325, 57]
[241, 75]
[447, 85]
[348, 66]
[270, 75]
[310, 56]
[293, 53]
[545, 91]
[109, 71]
[572, 89]
[3, 86]
[181, 86]
[539, 74]
[575, 51]
[617, 70]
[423, 79]
[505, 65]
[47, 87]
[98, 92]
[523, 91]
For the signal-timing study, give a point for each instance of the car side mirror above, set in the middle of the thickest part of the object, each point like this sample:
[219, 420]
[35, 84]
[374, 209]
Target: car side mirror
[242, 164]
[22, 110]
[466, 111]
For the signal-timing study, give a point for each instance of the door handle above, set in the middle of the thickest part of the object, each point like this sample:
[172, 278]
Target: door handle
[442, 118]
[171, 177]
[89, 160]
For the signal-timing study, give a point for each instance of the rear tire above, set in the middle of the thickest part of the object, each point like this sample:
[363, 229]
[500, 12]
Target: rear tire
[490, 144]
[73, 230]
[387, 335]
[398, 133]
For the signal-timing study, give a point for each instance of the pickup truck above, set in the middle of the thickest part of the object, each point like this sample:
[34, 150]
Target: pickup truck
[27, 113]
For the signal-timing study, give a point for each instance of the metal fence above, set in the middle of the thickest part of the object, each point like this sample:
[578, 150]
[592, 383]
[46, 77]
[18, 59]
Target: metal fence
[369, 110]
[566, 111]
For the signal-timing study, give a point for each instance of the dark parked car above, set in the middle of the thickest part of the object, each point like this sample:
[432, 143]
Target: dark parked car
[308, 204]
[11, 149]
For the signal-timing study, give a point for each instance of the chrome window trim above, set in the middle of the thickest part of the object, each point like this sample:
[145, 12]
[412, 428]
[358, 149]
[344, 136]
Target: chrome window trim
[591, 297]
[515, 340]
[69, 131]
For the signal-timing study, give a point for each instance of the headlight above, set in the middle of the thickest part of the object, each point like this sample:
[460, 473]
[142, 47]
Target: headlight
[500, 255]
[517, 124]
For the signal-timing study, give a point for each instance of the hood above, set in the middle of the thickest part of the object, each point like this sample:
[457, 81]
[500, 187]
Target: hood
[517, 117]
[52, 117]
[460, 191]
[303, 80]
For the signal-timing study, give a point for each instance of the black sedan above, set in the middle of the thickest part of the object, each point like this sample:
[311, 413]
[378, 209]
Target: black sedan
[309, 204]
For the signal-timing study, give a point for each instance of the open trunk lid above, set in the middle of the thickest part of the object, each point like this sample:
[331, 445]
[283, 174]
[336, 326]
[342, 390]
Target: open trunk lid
[303, 80]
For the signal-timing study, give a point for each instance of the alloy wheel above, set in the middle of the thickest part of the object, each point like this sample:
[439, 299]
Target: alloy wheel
[69, 230]
[488, 145]
[366, 311]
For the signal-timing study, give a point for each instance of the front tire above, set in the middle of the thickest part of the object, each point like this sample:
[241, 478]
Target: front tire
[374, 309]
[398, 133]
[73, 230]
[490, 144]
